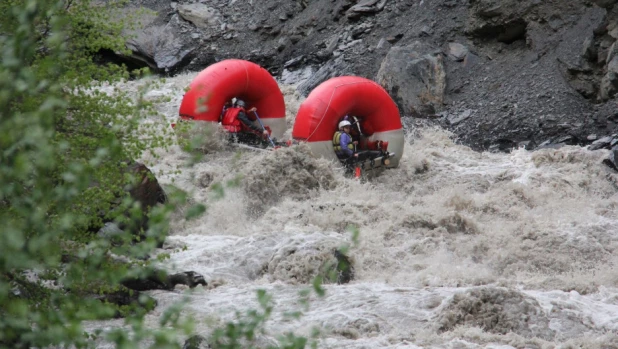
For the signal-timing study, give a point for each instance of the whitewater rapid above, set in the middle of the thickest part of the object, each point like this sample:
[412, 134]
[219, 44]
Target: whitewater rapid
[457, 249]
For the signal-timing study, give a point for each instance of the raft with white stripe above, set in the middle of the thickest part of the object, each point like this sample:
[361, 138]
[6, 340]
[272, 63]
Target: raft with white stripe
[327, 104]
[222, 81]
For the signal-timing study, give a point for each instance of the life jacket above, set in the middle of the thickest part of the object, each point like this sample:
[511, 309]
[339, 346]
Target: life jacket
[230, 119]
[337, 143]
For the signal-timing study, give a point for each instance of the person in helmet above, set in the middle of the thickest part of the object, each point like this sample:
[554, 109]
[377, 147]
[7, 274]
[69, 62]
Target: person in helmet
[236, 119]
[342, 141]
[346, 147]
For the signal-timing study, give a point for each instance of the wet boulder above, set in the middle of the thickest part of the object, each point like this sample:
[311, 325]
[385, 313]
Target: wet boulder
[612, 161]
[144, 189]
[415, 78]
[292, 173]
[496, 310]
[127, 301]
[160, 280]
[196, 342]
[298, 261]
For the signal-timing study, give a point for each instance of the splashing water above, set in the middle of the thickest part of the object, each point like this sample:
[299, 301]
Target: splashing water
[458, 249]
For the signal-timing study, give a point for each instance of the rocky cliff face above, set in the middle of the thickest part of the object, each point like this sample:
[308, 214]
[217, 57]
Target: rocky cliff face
[498, 73]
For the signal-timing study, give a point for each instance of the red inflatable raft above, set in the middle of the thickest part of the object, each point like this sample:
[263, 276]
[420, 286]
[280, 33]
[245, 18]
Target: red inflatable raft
[327, 104]
[222, 81]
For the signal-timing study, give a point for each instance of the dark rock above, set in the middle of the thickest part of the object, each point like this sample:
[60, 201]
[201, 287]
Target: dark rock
[160, 280]
[129, 301]
[159, 48]
[518, 49]
[601, 143]
[196, 342]
[414, 76]
[500, 20]
[612, 161]
[333, 68]
[605, 3]
[345, 269]
[145, 189]
[471, 60]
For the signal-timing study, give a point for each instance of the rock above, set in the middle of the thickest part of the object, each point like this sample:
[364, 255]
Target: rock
[414, 76]
[196, 342]
[601, 143]
[500, 20]
[426, 31]
[200, 15]
[128, 301]
[471, 60]
[282, 43]
[361, 29]
[381, 43]
[589, 51]
[605, 3]
[297, 261]
[567, 139]
[612, 161]
[296, 76]
[331, 69]
[365, 7]
[160, 280]
[146, 189]
[457, 52]
[612, 52]
[496, 310]
[528, 145]
[293, 62]
[609, 83]
[461, 117]
[393, 39]
[159, 48]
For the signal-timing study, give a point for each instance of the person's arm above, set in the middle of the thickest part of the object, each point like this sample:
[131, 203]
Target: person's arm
[242, 116]
[343, 143]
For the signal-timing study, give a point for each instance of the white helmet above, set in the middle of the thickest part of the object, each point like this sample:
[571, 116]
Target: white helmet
[344, 123]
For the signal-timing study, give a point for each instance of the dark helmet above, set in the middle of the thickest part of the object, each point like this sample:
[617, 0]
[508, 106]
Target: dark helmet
[241, 103]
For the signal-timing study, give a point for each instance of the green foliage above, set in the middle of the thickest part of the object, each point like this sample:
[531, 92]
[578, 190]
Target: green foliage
[65, 140]
[67, 136]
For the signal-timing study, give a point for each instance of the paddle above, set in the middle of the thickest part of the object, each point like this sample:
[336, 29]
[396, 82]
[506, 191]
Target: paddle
[264, 128]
